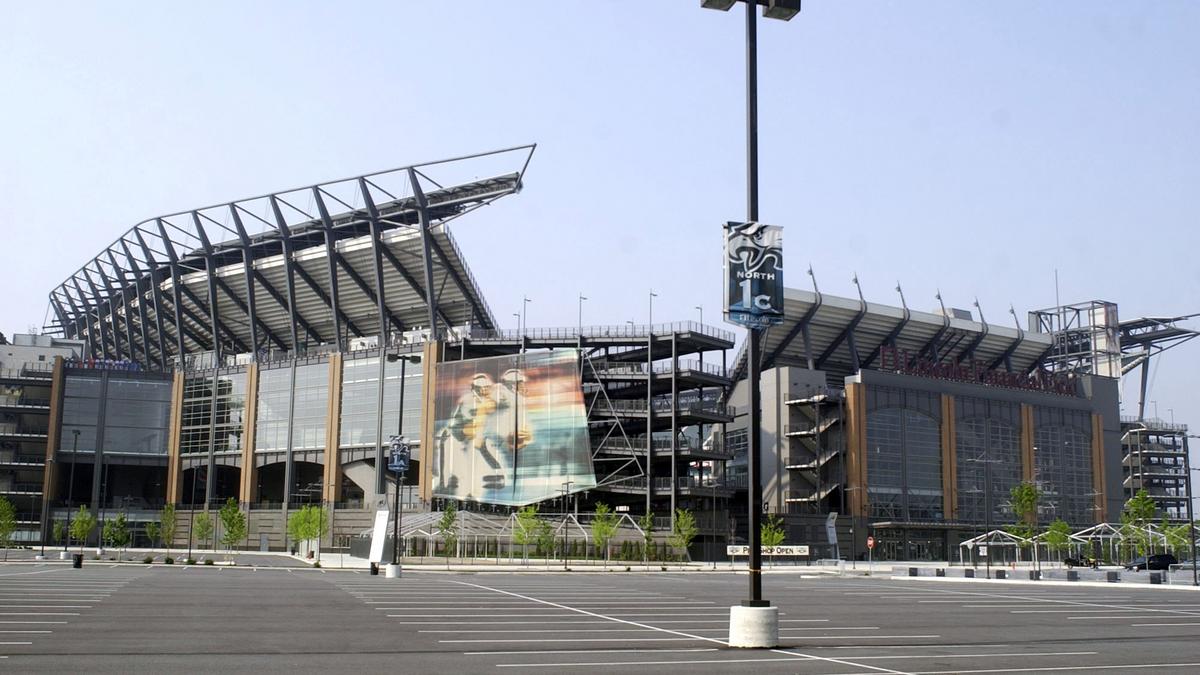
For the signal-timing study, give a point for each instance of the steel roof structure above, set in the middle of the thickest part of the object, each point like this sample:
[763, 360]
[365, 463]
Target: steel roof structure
[363, 256]
[842, 335]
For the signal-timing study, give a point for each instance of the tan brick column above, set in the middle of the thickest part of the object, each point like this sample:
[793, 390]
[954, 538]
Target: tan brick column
[249, 483]
[949, 459]
[331, 490]
[1028, 461]
[856, 447]
[1098, 467]
[174, 461]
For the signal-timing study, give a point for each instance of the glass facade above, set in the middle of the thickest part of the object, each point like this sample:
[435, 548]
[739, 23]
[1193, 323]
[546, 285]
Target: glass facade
[274, 402]
[213, 413]
[136, 417]
[310, 408]
[360, 380]
[904, 455]
[988, 456]
[1063, 465]
[81, 412]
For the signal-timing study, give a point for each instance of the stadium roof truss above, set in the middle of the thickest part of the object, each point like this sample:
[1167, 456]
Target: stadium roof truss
[363, 256]
[842, 335]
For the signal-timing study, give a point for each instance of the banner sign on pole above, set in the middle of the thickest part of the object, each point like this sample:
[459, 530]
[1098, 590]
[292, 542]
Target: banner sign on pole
[378, 534]
[753, 274]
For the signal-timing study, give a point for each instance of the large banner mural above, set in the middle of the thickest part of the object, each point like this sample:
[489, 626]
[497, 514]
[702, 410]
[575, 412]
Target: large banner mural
[511, 429]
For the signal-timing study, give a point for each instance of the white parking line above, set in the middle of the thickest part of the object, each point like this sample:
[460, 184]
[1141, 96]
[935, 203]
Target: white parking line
[1131, 666]
[758, 660]
[672, 632]
[596, 651]
[1164, 624]
[39, 613]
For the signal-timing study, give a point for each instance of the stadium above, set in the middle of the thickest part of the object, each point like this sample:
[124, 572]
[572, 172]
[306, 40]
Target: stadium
[267, 349]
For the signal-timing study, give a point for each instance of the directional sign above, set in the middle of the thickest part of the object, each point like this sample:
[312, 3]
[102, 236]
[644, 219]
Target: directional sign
[400, 455]
[753, 274]
[983, 552]
[870, 542]
[768, 550]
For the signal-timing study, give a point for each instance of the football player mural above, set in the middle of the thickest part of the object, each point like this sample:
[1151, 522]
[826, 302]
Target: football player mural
[511, 429]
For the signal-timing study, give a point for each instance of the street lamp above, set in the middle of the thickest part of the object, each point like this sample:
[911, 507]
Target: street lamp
[524, 320]
[581, 299]
[566, 490]
[400, 456]
[783, 10]
[740, 633]
[71, 489]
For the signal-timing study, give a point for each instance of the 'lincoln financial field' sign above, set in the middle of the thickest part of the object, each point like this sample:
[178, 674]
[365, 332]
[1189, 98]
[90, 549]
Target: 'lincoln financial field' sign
[753, 274]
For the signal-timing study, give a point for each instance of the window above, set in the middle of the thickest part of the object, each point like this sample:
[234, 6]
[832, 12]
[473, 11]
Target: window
[904, 465]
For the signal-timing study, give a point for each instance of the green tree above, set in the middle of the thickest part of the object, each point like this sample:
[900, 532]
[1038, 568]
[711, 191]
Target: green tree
[203, 527]
[153, 530]
[646, 524]
[233, 523]
[544, 539]
[772, 533]
[82, 526]
[116, 533]
[604, 527]
[1025, 497]
[685, 531]
[8, 524]
[447, 528]
[167, 525]
[525, 528]
[1058, 536]
[58, 532]
[1136, 517]
[1177, 540]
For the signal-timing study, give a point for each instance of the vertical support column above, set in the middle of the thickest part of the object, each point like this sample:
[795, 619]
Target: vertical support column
[650, 420]
[174, 460]
[426, 259]
[288, 464]
[332, 481]
[1098, 483]
[210, 474]
[53, 434]
[331, 268]
[1028, 461]
[674, 426]
[247, 492]
[949, 459]
[380, 460]
[429, 360]
[98, 452]
[856, 448]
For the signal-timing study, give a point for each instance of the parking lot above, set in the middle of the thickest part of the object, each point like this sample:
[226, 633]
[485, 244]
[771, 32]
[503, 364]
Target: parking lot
[130, 618]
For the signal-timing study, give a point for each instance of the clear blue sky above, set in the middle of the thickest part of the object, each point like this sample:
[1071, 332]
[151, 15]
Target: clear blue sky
[969, 146]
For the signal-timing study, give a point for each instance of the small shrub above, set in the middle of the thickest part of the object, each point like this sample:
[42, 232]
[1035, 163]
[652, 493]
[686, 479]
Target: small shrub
[627, 568]
[95, 557]
[317, 564]
[168, 560]
[190, 561]
[148, 559]
[208, 561]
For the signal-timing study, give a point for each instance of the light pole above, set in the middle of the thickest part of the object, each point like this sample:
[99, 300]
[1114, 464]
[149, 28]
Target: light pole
[524, 320]
[566, 490]
[581, 299]
[650, 311]
[768, 636]
[399, 447]
[1187, 464]
[71, 488]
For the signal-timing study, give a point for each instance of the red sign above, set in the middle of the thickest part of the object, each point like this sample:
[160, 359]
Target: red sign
[901, 361]
[870, 542]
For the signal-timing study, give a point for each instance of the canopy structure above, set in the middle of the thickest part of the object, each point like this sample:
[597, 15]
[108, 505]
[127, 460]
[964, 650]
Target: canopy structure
[369, 255]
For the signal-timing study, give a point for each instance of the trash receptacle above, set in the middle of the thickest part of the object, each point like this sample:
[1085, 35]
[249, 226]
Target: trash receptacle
[1156, 577]
[1035, 575]
[1112, 577]
[1001, 574]
[77, 561]
[969, 573]
[1072, 575]
[913, 571]
[939, 572]
[374, 569]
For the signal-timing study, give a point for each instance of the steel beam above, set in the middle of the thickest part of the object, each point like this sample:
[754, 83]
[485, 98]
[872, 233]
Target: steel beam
[376, 260]
[210, 274]
[315, 287]
[137, 286]
[156, 293]
[427, 263]
[285, 238]
[176, 288]
[248, 263]
[331, 269]
[126, 318]
[104, 336]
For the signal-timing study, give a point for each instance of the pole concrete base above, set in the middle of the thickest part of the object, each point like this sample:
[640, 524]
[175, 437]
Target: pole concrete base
[753, 627]
[391, 571]
[63, 555]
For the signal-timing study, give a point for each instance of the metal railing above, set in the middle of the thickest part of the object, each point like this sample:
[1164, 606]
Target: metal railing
[601, 331]
[664, 406]
[661, 445]
[660, 367]
[28, 371]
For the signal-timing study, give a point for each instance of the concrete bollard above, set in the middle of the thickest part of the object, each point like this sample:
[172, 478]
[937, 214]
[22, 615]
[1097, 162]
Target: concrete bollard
[1035, 575]
[1001, 574]
[939, 572]
[1072, 575]
[754, 627]
[1156, 577]
[914, 572]
[969, 573]
[1112, 577]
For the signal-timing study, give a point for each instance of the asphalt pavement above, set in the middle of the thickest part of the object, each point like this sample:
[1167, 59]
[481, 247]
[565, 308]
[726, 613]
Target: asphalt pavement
[141, 618]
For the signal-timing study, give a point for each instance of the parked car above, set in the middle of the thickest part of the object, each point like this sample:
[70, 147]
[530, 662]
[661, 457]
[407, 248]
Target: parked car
[1158, 561]
[1082, 561]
